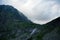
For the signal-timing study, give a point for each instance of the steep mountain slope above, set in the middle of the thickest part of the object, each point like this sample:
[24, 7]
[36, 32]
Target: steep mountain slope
[14, 25]
[9, 12]
[55, 33]
[49, 31]
[55, 22]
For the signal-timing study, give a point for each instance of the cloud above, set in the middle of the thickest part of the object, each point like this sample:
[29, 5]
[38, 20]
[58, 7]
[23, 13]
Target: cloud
[43, 11]
[57, 1]
[47, 10]
[38, 11]
[0, 2]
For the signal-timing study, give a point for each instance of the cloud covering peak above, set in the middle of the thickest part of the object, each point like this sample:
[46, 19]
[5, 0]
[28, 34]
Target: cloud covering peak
[39, 11]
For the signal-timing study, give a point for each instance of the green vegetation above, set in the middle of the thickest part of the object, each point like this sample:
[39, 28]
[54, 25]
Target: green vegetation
[13, 24]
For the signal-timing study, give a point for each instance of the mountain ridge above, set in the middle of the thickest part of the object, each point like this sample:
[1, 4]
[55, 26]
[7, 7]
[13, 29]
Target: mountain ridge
[15, 26]
[9, 10]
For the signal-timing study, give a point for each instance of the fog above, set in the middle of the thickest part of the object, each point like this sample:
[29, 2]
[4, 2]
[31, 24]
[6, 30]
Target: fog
[38, 11]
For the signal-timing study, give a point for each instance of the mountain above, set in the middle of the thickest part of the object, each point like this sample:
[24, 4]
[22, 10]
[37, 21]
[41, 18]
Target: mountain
[49, 31]
[9, 12]
[54, 26]
[55, 22]
[16, 26]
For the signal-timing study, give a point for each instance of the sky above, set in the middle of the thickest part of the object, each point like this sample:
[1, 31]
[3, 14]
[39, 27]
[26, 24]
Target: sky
[38, 11]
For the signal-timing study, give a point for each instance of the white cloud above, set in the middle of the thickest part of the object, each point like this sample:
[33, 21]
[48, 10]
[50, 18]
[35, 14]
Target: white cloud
[0, 2]
[39, 11]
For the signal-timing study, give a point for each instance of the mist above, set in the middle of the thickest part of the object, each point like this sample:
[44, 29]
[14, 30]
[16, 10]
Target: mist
[38, 11]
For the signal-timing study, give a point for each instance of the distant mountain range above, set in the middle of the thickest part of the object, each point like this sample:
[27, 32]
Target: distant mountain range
[16, 26]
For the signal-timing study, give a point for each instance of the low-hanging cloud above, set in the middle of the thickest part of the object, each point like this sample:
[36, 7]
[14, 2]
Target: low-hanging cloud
[47, 10]
[39, 11]
[0, 2]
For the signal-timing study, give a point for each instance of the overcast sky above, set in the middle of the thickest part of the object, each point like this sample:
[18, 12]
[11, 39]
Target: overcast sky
[38, 11]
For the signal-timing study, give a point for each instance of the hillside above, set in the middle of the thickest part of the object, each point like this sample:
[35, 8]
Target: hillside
[49, 31]
[9, 12]
[16, 26]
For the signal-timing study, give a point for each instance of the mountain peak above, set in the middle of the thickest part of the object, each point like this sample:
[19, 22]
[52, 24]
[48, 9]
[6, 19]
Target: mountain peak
[12, 13]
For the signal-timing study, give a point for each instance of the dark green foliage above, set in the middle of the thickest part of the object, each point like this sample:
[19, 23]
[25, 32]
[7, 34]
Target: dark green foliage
[47, 28]
[12, 22]
[15, 26]
[9, 12]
